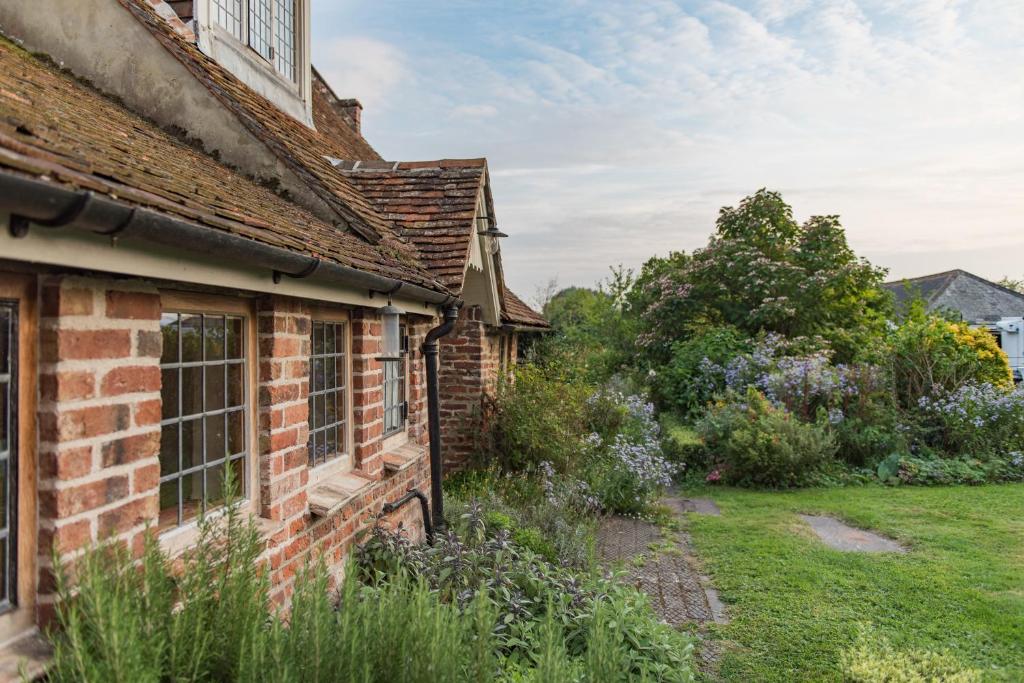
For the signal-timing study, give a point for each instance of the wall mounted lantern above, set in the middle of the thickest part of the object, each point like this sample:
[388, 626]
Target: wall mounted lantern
[391, 334]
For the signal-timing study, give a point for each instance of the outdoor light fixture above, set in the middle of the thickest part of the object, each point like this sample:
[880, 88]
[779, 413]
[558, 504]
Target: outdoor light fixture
[391, 337]
[492, 230]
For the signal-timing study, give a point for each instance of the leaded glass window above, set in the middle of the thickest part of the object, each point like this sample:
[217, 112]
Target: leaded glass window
[228, 15]
[396, 407]
[284, 37]
[8, 451]
[328, 408]
[260, 28]
[205, 415]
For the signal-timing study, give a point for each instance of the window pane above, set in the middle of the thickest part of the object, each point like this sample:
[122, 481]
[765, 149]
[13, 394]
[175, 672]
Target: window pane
[169, 332]
[191, 391]
[213, 329]
[5, 426]
[330, 343]
[318, 374]
[318, 339]
[3, 494]
[216, 444]
[318, 411]
[329, 373]
[259, 27]
[215, 388]
[6, 338]
[236, 337]
[236, 432]
[191, 443]
[191, 338]
[169, 449]
[228, 15]
[332, 409]
[169, 393]
[191, 496]
[168, 504]
[236, 385]
[215, 491]
[285, 41]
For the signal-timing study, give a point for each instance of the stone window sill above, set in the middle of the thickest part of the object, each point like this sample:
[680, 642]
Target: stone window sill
[29, 653]
[403, 457]
[330, 496]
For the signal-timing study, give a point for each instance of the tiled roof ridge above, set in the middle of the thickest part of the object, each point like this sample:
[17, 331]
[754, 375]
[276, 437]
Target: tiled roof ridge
[315, 171]
[427, 165]
[517, 311]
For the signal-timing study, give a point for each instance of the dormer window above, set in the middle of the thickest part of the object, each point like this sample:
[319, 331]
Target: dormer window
[266, 44]
[267, 26]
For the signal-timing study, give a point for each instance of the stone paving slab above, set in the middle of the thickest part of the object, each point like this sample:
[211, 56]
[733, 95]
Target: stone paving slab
[840, 536]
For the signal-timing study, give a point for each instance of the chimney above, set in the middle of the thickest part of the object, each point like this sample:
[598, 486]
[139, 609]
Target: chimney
[352, 110]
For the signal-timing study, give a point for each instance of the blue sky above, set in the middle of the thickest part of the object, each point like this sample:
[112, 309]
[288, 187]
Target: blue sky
[616, 130]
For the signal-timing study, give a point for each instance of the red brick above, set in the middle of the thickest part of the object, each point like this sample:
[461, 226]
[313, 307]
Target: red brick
[149, 344]
[146, 478]
[66, 538]
[70, 501]
[66, 464]
[131, 514]
[89, 422]
[86, 344]
[131, 380]
[133, 305]
[280, 393]
[59, 301]
[67, 386]
[131, 448]
[147, 413]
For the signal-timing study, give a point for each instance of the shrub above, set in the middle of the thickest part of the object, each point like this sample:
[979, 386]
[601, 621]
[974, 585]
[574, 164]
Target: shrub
[538, 417]
[931, 354]
[583, 627]
[980, 420]
[754, 442]
[680, 386]
[625, 474]
[680, 443]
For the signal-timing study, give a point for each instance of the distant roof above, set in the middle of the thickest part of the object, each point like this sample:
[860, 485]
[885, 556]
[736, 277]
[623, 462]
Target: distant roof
[433, 203]
[974, 297]
[52, 127]
[517, 312]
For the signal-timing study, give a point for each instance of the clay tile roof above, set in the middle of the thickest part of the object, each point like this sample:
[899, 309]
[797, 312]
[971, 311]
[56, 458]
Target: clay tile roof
[304, 150]
[333, 121]
[55, 128]
[517, 312]
[433, 203]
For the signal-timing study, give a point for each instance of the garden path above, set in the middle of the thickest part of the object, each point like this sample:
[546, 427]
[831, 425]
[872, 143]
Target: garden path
[660, 562]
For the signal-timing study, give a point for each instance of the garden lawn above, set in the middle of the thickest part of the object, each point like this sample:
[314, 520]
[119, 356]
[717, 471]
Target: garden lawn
[795, 605]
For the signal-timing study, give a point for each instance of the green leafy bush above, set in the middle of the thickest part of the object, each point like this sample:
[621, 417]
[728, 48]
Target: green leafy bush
[538, 417]
[681, 386]
[756, 443]
[930, 354]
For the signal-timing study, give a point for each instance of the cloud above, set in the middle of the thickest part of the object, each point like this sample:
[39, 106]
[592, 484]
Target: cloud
[616, 129]
[360, 67]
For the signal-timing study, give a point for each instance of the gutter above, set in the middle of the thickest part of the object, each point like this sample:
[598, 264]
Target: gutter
[37, 202]
[430, 353]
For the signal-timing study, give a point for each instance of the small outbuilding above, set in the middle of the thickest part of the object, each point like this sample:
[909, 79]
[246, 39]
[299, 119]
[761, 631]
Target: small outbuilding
[977, 301]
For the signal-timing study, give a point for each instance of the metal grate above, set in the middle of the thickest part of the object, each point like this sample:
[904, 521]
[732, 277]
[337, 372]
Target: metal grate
[328, 409]
[284, 38]
[8, 451]
[228, 15]
[395, 405]
[260, 37]
[204, 424]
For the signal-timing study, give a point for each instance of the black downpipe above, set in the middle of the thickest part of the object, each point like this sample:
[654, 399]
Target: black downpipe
[428, 527]
[430, 354]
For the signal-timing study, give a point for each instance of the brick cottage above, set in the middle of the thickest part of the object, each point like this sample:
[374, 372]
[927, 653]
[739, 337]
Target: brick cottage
[205, 268]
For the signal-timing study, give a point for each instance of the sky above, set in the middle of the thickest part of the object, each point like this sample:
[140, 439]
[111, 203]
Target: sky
[616, 130]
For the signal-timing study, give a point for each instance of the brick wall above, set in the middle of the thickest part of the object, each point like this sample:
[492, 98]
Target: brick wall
[100, 412]
[99, 415]
[470, 368]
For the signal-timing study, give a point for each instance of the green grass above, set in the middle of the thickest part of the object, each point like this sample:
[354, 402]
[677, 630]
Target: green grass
[795, 605]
